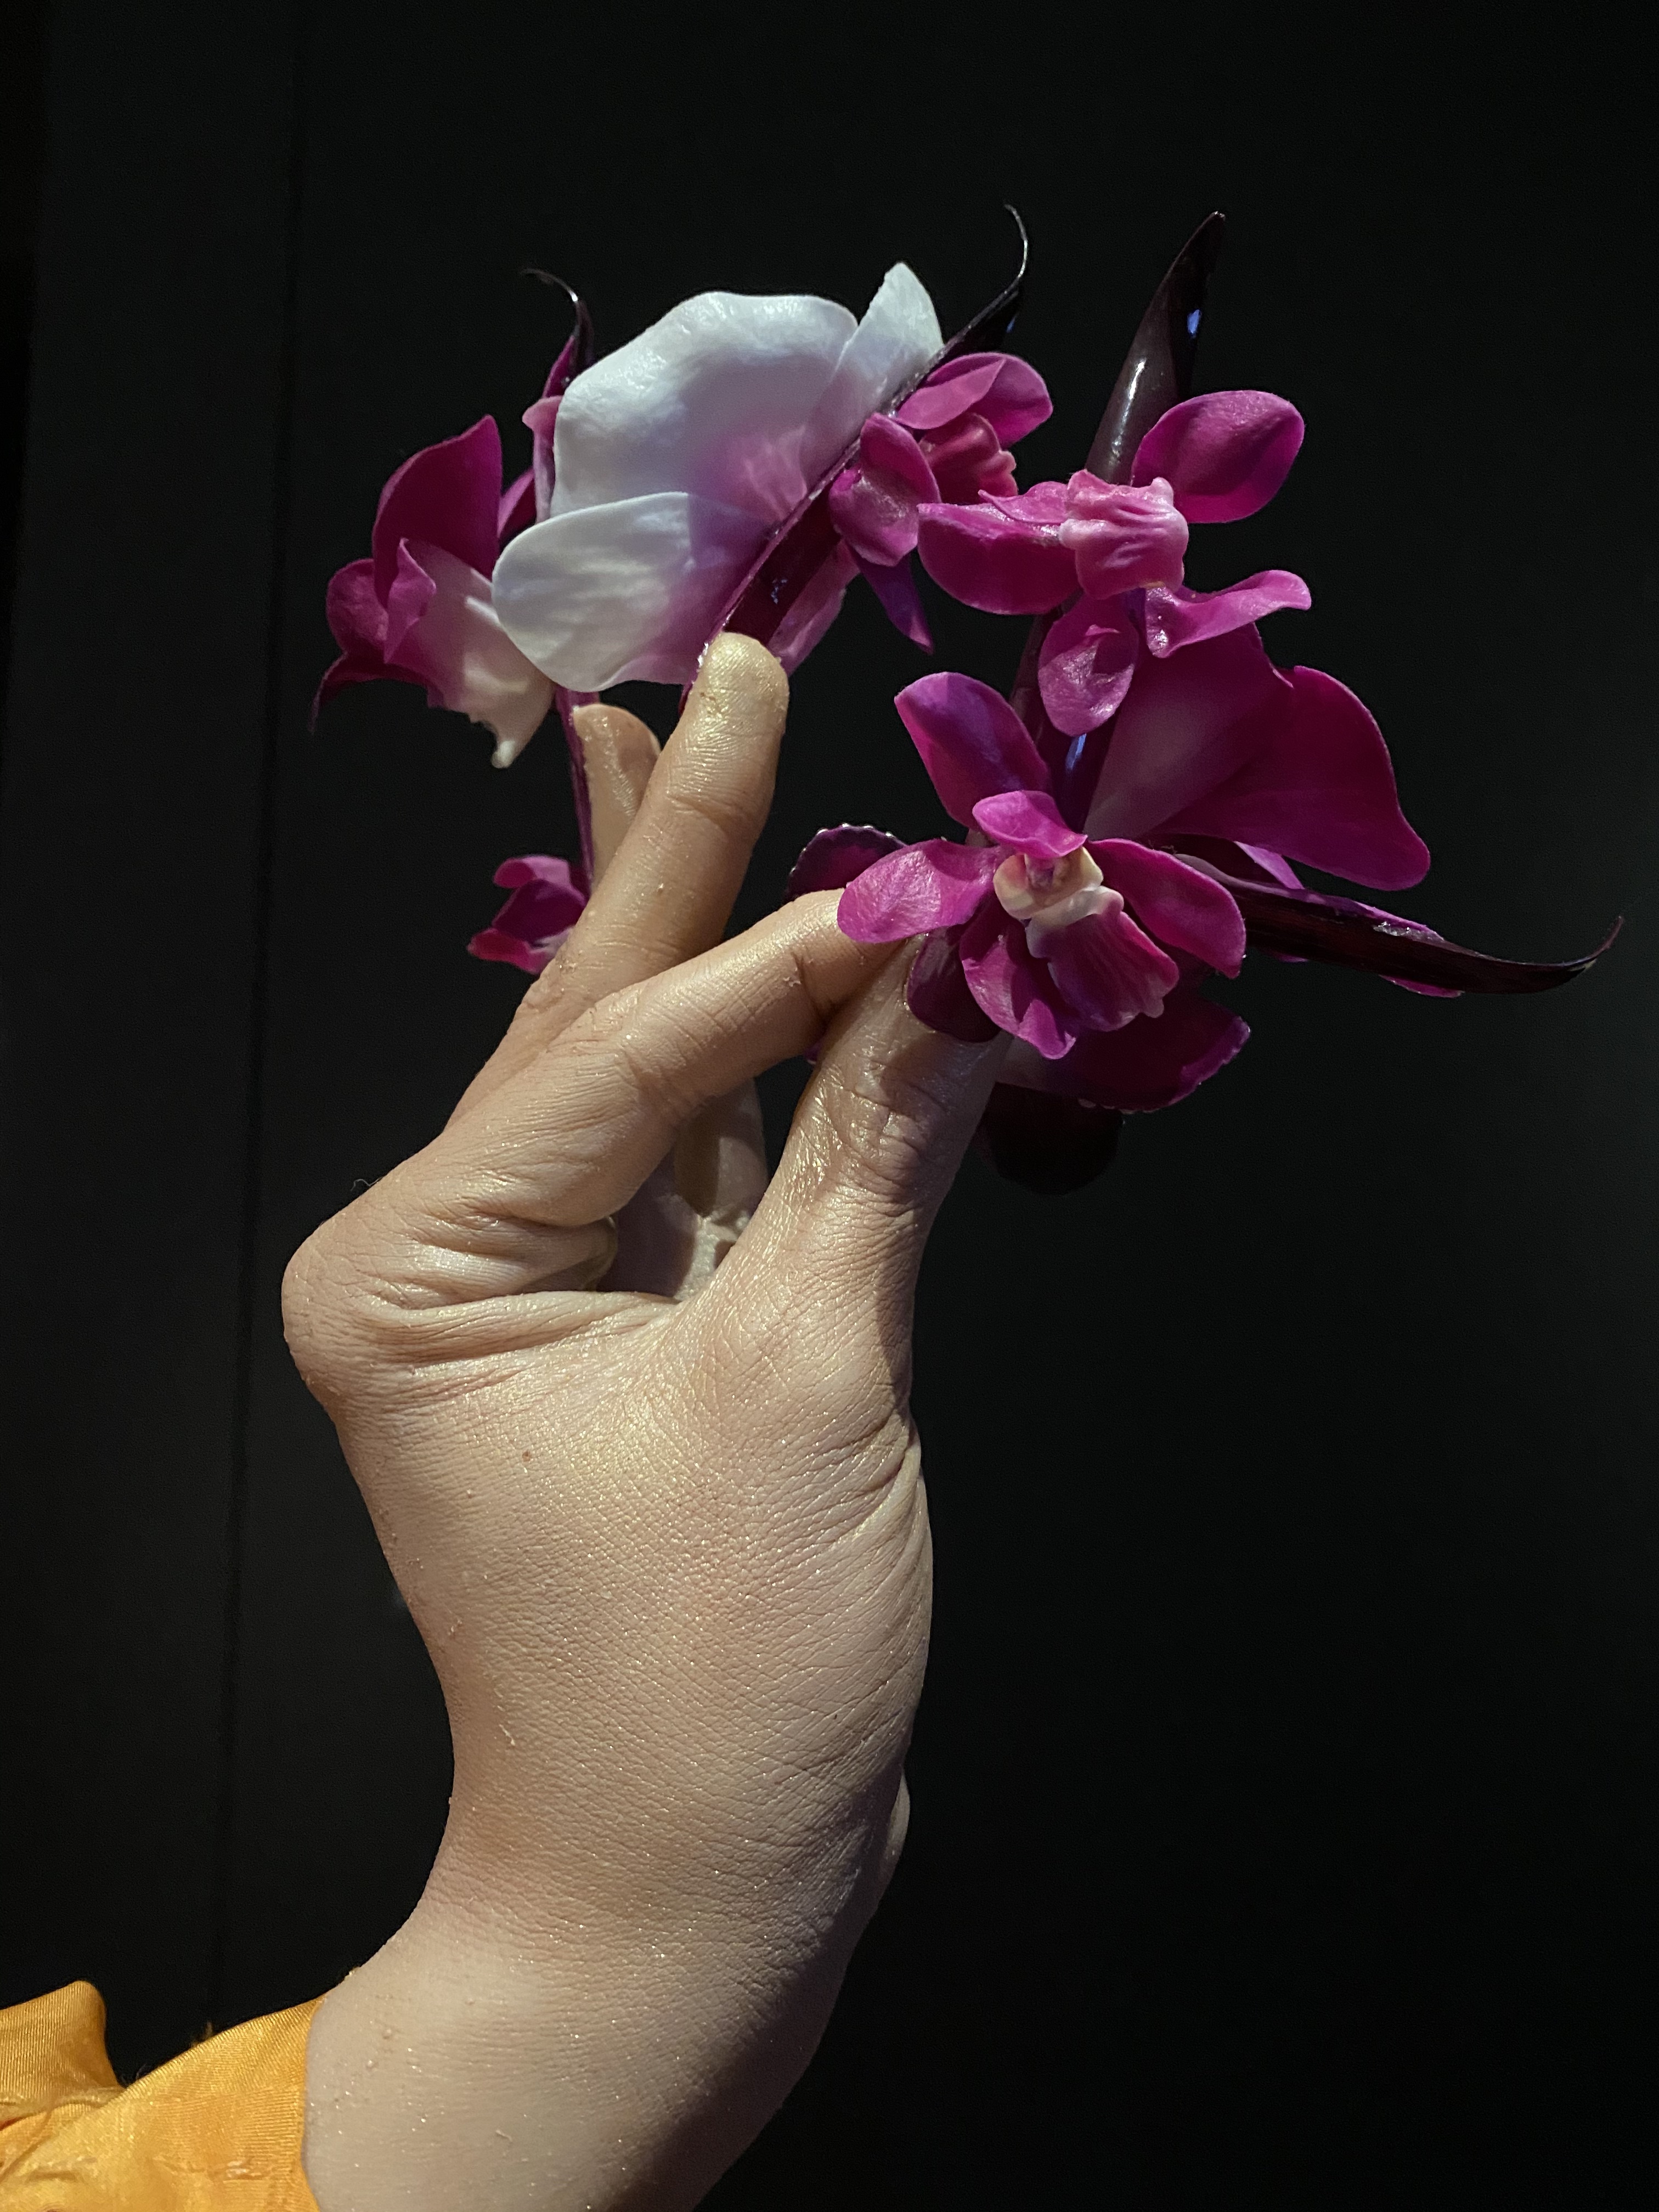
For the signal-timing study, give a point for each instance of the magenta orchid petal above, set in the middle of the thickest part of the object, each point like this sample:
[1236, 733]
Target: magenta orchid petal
[972, 742]
[1017, 992]
[1123, 537]
[1179, 905]
[516, 508]
[1086, 665]
[1175, 616]
[1030, 821]
[936, 991]
[895, 587]
[968, 461]
[934, 886]
[1146, 1065]
[358, 621]
[1313, 782]
[1042, 508]
[987, 559]
[874, 504]
[1008, 391]
[1110, 969]
[814, 610]
[441, 626]
[830, 860]
[449, 495]
[952, 391]
[1250, 864]
[546, 901]
[1225, 453]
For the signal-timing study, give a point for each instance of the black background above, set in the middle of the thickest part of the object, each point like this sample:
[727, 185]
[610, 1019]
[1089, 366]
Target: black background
[1287, 1791]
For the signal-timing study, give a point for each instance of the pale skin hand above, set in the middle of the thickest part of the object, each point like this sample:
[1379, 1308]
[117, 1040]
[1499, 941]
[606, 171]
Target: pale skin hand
[666, 1540]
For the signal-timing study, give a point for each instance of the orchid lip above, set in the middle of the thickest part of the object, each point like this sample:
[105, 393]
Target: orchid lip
[1049, 896]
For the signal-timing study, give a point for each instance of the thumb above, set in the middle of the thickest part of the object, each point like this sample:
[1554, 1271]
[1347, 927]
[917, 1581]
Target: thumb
[837, 1241]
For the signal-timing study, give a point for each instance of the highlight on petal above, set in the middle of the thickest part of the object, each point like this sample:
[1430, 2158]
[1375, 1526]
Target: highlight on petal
[1123, 537]
[874, 503]
[831, 860]
[1017, 992]
[1007, 391]
[602, 594]
[442, 627]
[1175, 616]
[1110, 970]
[712, 400]
[1086, 665]
[982, 556]
[1179, 905]
[934, 886]
[1030, 821]
[1225, 453]
[972, 742]
[448, 494]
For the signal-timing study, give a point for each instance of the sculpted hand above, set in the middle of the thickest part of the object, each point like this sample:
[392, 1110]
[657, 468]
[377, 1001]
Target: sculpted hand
[644, 1469]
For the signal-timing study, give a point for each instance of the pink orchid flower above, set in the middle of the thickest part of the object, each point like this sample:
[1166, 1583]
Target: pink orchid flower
[548, 897]
[1072, 918]
[947, 442]
[1112, 557]
[421, 608]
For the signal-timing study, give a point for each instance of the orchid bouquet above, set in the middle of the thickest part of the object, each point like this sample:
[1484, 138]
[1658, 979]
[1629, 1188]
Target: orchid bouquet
[1135, 811]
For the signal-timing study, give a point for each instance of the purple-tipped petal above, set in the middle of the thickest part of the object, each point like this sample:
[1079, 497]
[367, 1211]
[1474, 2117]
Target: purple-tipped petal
[1017, 992]
[986, 559]
[1123, 537]
[933, 885]
[972, 742]
[1086, 665]
[1175, 616]
[874, 504]
[1030, 821]
[895, 587]
[830, 860]
[1180, 906]
[1225, 453]
[1110, 970]
[447, 495]
[936, 991]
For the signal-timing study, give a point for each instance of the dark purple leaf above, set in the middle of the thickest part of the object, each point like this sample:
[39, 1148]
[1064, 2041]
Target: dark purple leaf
[1157, 371]
[832, 858]
[1308, 926]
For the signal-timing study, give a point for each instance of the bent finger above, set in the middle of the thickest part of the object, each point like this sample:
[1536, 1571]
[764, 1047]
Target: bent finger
[833, 1250]
[668, 892]
[571, 1137]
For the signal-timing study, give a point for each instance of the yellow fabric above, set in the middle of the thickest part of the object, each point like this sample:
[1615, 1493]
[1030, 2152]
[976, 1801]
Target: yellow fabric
[218, 2130]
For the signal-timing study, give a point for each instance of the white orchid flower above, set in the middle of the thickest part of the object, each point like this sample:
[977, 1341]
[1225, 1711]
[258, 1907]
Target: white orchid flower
[676, 457]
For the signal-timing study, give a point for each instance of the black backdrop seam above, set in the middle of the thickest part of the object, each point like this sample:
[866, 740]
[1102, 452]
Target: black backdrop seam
[247, 1260]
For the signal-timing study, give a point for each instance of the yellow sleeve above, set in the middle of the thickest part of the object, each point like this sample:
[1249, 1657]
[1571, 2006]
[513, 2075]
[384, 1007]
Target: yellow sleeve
[221, 2126]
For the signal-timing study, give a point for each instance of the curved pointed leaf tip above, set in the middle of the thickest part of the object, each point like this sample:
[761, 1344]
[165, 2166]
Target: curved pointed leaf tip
[1157, 370]
[1342, 933]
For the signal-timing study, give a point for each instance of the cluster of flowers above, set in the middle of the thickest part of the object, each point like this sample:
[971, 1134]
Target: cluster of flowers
[1133, 814]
